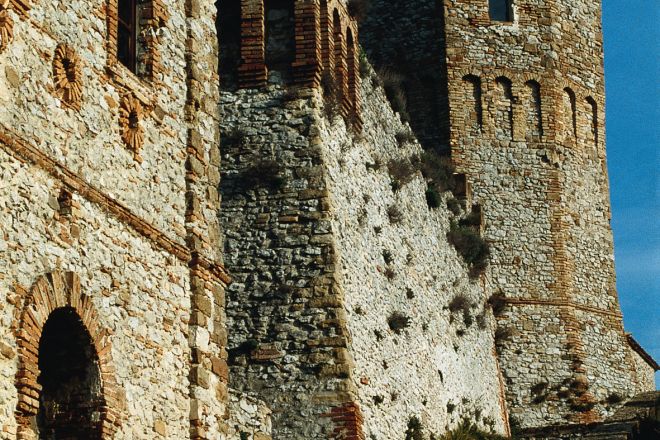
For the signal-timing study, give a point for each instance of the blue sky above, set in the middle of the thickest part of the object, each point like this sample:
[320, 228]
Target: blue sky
[632, 73]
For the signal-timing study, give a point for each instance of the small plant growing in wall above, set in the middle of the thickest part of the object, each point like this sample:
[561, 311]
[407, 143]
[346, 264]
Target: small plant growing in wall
[497, 302]
[539, 392]
[331, 98]
[397, 322]
[454, 206]
[469, 244]
[432, 198]
[395, 215]
[401, 172]
[469, 431]
[415, 429]
[502, 334]
[392, 83]
[404, 137]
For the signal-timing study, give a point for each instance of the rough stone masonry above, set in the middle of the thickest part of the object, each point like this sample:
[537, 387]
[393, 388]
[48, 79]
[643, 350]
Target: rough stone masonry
[344, 312]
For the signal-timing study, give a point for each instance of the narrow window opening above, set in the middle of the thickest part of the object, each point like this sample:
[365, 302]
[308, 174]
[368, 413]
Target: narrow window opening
[71, 401]
[533, 111]
[228, 27]
[352, 68]
[570, 116]
[327, 43]
[280, 39]
[594, 120]
[473, 90]
[501, 10]
[504, 113]
[127, 33]
[340, 58]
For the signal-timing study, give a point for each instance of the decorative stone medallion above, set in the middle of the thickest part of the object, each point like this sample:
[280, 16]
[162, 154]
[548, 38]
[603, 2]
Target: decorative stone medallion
[130, 116]
[6, 25]
[67, 74]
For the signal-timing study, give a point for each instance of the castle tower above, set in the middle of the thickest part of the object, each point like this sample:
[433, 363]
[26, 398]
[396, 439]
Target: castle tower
[523, 118]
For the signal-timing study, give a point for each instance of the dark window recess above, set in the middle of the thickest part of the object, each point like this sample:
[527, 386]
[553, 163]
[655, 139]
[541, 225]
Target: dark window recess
[500, 10]
[127, 33]
[280, 36]
[71, 402]
[228, 26]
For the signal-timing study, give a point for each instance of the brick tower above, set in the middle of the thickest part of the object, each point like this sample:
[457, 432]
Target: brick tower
[523, 117]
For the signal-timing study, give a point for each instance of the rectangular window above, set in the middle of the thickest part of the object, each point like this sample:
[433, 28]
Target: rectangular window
[500, 10]
[127, 33]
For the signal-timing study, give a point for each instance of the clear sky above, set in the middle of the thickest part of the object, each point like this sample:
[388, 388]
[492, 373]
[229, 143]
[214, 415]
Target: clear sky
[632, 75]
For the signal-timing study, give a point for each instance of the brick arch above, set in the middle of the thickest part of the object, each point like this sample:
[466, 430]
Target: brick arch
[50, 292]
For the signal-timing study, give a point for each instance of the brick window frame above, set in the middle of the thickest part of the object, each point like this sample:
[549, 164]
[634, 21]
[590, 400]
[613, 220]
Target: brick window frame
[50, 292]
[151, 16]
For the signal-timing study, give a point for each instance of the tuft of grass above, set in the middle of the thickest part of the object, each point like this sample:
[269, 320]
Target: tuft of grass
[401, 172]
[331, 96]
[454, 206]
[438, 171]
[469, 431]
[392, 82]
[432, 198]
[364, 64]
[395, 215]
[502, 334]
[404, 137]
[415, 430]
[397, 322]
[497, 302]
[459, 303]
[469, 244]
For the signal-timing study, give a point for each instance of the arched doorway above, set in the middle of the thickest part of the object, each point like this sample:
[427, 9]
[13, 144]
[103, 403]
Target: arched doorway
[71, 399]
[65, 379]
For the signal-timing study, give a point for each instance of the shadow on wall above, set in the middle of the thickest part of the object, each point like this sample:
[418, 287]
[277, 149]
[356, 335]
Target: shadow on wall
[418, 61]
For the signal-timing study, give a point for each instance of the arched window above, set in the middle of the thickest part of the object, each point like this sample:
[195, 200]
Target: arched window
[500, 10]
[127, 33]
[570, 116]
[504, 109]
[280, 37]
[327, 40]
[351, 65]
[71, 400]
[534, 126]
[474, 107]
[340, 57]
[228, 27]
[594, 120]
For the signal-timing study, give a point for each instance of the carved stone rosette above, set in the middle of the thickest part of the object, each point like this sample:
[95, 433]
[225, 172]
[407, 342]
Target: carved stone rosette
[67, 74]
[130, 116]
[6, 25]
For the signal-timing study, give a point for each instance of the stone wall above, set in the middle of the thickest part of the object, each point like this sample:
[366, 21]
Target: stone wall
[394, 259]
[249, 418]
[287, 342]
[139, 291]
[109, 210]
[645, 367]
[306, 226]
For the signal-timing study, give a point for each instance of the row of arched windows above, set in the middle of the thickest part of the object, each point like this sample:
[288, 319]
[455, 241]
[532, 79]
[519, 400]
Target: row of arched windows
[503, 103]
[278, 41]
